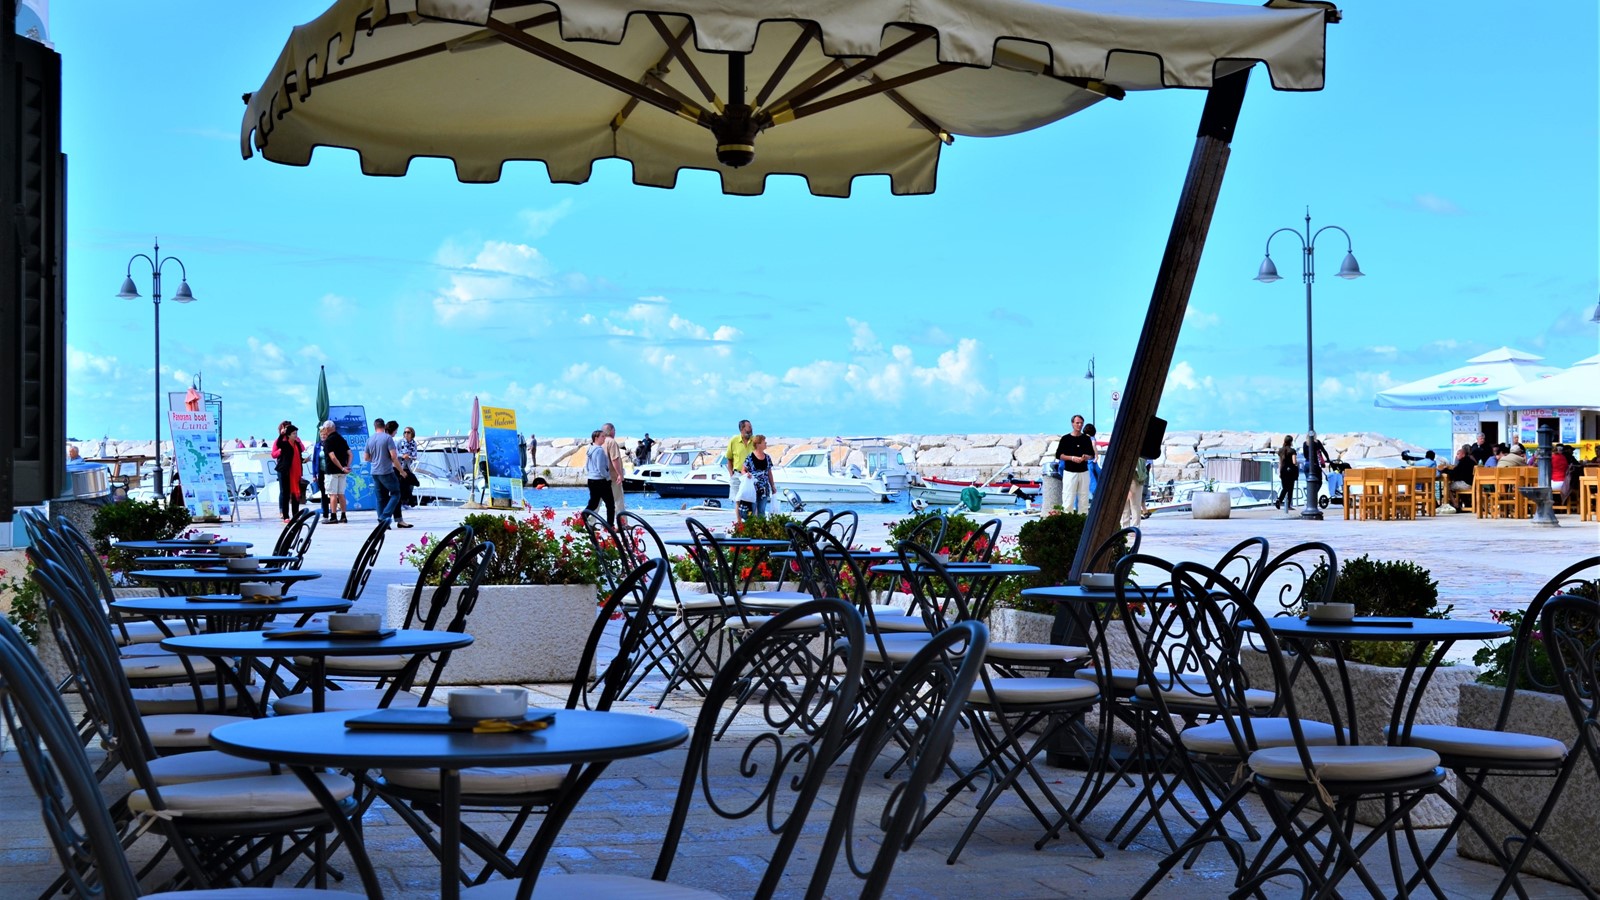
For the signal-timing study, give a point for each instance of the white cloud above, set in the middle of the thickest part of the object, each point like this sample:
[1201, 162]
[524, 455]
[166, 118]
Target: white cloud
[1433, 203]
[82, 362]
[1194, 317]
[1183, 376]
[500, 271]
[538, 222]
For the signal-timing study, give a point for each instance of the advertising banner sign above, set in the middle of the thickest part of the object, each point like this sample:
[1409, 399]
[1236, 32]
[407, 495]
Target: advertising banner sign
[198, 460]
[351, 423]
[504, 456]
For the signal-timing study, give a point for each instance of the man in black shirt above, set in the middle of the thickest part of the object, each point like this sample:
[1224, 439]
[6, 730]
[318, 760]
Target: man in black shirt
[335, 466]
[1075, 451]
[1482, 450]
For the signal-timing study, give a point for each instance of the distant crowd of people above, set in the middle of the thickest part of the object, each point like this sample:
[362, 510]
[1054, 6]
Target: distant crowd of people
[391, 453]
[1563, 461]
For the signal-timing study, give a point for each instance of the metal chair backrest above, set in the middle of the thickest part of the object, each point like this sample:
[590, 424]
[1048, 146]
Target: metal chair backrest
[434, 565]
[1243, 561]
[801, 728]
[608, 550]
[930, 531]
[1570, 626]
[931, 691]
[979, 545]
[1527, 671]
[86, 840]
[632, 599]
[843, 525]
[366, 559]
[933, 590]
[715, 568]
[1301, 575]
[295, 539]
[643, 544]
[1111, 550]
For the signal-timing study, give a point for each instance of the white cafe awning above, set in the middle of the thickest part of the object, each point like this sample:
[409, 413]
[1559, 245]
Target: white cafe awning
[1577, 387]
[1475, 386]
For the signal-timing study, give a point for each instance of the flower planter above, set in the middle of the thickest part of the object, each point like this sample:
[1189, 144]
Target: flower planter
[522, 633]
[1571, 827]
[1210, 505]
[1020, 625]
[1374, 688]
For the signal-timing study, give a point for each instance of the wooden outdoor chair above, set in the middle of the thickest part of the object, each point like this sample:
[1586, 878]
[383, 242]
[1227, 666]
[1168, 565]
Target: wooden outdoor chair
[1485, 485]
[1588, 498]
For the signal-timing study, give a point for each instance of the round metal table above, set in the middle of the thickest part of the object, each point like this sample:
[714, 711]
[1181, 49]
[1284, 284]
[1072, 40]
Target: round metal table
[184, 582]
[577, 738]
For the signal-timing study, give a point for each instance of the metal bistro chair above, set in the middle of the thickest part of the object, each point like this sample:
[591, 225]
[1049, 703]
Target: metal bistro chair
[1571, 627]
[86, 839]
[295, 538]
[661, 648]
[1475, 754]
[523, 790]
[775, 777]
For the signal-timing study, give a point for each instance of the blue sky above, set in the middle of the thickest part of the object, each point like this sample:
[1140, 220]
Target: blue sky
[1456, 143]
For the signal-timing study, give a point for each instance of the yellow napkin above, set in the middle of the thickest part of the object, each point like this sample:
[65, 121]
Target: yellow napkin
[508, 726]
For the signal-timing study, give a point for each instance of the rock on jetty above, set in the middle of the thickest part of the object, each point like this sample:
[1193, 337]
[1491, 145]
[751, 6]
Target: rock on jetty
[979, 456]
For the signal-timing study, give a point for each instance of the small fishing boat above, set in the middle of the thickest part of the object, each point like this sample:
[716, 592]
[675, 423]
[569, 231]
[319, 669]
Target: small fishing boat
[1000, 490]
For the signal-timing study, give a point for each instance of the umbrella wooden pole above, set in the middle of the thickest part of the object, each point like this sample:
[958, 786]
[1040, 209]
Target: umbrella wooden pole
[1164, 320]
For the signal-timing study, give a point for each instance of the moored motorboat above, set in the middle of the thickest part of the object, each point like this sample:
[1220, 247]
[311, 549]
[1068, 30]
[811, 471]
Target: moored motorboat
[811, 477]
[1001, 490]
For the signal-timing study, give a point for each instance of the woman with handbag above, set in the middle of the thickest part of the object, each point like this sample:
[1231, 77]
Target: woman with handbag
[288, 451]
[757, 486]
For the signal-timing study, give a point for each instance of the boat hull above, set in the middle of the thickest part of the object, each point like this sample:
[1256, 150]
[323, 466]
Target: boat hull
[946, 496]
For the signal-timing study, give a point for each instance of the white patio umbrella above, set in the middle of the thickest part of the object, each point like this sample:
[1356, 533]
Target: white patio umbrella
[1577, 387]
[747, 88]
[1475, 386]
[824, 89]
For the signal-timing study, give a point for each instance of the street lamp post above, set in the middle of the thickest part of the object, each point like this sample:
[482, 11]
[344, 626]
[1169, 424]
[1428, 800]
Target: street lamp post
[1089, 377]
[131, 292]
[1348, 269]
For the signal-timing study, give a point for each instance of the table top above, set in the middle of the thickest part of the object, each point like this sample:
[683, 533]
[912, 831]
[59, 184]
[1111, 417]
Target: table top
[1071, 593]
[175, 576]
[205, 559]
[1418, 630]
[722, 540]
[961, 570]
[858, 555]
[321, 739]
[255, 643]
[147, 546]
[181, 606]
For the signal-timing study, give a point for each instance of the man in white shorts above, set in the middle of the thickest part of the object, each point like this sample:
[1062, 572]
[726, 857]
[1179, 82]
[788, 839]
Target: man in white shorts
[335, 466]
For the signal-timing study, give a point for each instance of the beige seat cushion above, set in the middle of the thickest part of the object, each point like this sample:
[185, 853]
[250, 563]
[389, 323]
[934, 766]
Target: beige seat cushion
[201, 765]
[803, 623]
[1212, 738]
[896, 648]
[1029, 691]
[180, 731]
[1194, 692]
[166, 666]
[555, 886]
[272, 893]
[692, 603]
[335, 701]
[132, 651]
[1367, 763]
[1122, 680]
[1018, 651]
[1453, 740]
[179, 698]
[899, 623]
[144, 631]
[359, 665]
[757, 598]
[484, 780]
[242, 798]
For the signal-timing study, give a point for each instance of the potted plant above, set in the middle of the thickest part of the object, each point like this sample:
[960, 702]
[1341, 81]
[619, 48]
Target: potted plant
[536, 604]
[1209, 503]
[1537, 708]
[133, 520]
[1397, 588]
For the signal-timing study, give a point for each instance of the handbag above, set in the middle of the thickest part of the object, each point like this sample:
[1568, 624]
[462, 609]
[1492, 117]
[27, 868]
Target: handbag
[747, 489]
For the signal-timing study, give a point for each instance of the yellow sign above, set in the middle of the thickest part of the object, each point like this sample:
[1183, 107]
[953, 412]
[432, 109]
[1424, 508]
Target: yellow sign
[495, 417]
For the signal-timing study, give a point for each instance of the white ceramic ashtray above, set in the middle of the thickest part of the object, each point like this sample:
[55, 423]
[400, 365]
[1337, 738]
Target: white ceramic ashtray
[242, 564]
[354, 621]
[1098, 580]
[1331, 612]
[204, 536]
[233, 550]
[259, 588]
[488, 703]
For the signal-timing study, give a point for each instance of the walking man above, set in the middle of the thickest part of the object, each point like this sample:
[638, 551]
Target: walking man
[740, 446]
[597, 473]
[380, 453]
[335, 466]
[614, 453]
[402, 473]
[1075, 451]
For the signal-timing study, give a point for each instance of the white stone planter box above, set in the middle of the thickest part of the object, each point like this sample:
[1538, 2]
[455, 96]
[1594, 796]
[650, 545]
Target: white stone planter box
[1374, 688]
[522, 634]
[1571, 829]
[1210, 505]
[1020, 625]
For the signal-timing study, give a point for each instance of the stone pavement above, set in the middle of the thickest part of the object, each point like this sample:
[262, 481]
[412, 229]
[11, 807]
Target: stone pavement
[619, 824]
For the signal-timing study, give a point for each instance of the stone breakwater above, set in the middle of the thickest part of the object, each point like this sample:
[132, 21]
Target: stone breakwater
[979, 456]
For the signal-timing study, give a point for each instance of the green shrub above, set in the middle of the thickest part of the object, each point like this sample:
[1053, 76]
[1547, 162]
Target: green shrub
[1396, 588]
[134, 520]
[957, 527]
[535, 549]
[1051, 543]
[27, 603]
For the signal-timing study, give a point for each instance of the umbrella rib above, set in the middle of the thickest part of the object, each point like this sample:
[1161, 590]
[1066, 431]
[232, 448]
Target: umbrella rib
[876, 87]
[808, 30]
[441, 47]
[547, 51]
[802, 94]
[660, 66]
[675, 48]
[917, 115]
